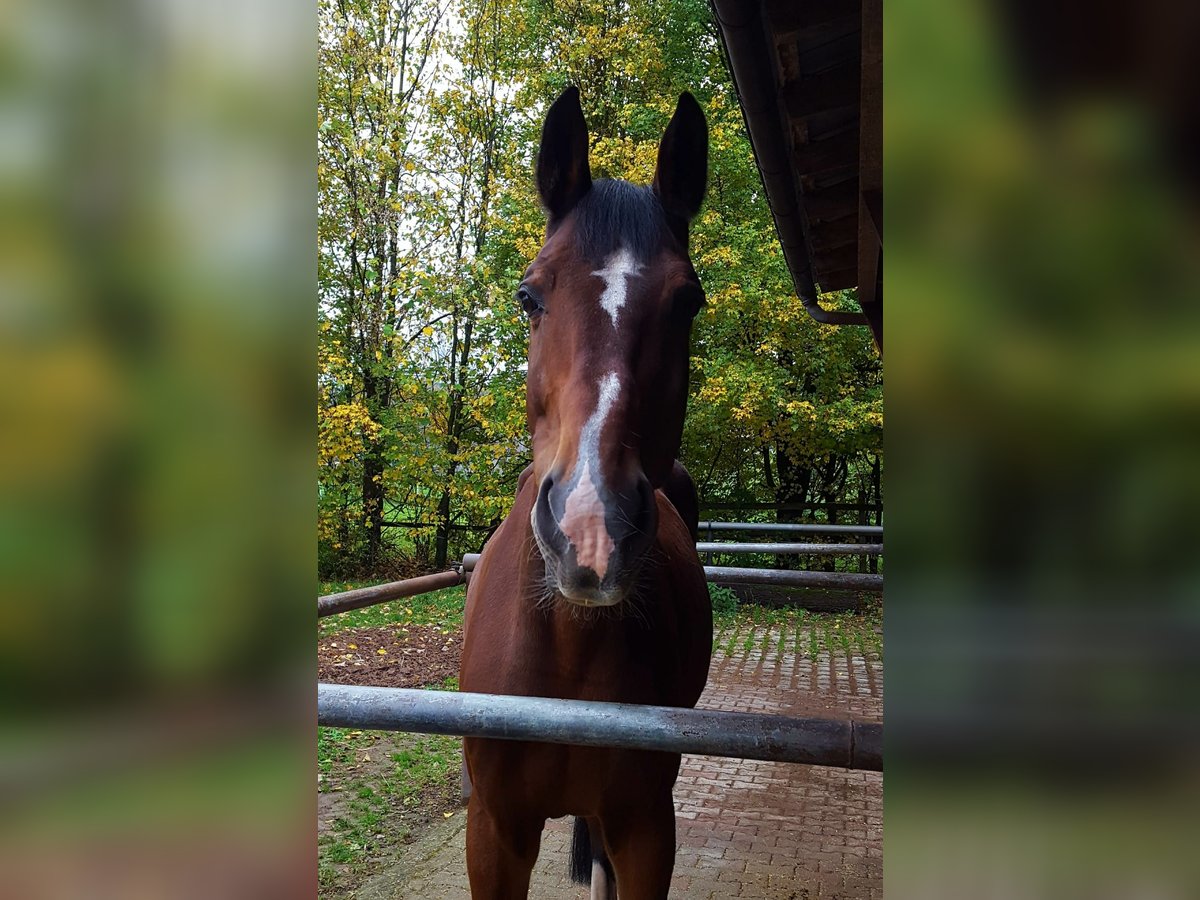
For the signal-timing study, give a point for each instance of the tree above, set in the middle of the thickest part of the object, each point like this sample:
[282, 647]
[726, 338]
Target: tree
[429, 121]
[375, 59]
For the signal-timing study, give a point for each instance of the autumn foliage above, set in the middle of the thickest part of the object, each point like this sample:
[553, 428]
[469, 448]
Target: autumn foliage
[428, 120]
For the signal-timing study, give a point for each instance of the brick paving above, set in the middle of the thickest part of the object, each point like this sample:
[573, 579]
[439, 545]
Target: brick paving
[745, 828]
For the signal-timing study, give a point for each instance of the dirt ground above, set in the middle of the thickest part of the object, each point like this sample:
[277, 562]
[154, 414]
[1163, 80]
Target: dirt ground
[409, 656]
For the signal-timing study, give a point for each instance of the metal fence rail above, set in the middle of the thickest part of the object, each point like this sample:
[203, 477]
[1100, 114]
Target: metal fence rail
[410, 587]
[847, 581]
[783, 549]
[380, 593]
[823, 742]
[794, 528]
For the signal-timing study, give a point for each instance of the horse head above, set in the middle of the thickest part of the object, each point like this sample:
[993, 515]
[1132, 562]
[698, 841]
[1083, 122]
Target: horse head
[610, 297]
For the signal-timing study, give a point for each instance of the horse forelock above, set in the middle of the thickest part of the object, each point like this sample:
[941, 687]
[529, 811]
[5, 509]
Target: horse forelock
[616, 215]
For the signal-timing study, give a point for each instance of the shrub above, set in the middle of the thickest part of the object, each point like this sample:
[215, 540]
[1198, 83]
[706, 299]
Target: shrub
[724, 601]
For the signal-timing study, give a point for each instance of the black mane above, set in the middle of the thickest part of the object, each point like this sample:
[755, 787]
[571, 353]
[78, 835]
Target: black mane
[614, 214]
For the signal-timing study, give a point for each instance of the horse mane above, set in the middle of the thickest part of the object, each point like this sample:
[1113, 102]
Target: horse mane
[615, 214]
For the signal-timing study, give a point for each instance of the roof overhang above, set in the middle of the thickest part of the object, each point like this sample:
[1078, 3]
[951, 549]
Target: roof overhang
[809, 77]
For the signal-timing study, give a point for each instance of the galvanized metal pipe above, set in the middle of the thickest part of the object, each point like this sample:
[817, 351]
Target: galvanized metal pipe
[782, 549]
[821, 742]
[381, 593]
[846, 581]
[794, 528]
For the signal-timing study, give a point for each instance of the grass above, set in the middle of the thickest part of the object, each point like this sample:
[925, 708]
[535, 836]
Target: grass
[450, 683]
[443, 608]
[431, 760]
[402, 770]
[403, 767]
[808, 633]
[336, 747]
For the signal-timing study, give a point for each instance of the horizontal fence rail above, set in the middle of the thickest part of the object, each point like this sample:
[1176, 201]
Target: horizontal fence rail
[794, 528]
[846, 581]
[381, 593]
[795, 507]
[782, 549]
[332, 604]
[822, 742]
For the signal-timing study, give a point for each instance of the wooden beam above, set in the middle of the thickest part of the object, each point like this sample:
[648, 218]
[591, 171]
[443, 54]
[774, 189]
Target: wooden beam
[870, 168]
[836, 281]
[827, 178]
[872, 208]
[789, 15]
[832, 202]
[831, 153]
[873, 308]
[833, 89]
[836, 259]
[836, 233]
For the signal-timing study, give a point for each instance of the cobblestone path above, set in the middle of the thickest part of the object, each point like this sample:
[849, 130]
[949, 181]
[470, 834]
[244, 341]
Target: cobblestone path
[745, 829]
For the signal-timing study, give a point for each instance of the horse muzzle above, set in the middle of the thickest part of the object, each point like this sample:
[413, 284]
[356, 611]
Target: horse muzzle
[594, 540]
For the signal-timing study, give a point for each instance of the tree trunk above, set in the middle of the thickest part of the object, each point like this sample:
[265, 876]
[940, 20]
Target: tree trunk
[441, 546]
[791, 488]
[372, 492]
[372, 483]
[864, 498]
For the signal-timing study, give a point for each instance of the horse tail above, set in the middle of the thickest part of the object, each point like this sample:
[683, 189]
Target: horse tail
[581, 852]
[584, 855]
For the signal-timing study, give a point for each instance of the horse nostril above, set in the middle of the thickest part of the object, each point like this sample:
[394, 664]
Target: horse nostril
[643, 517]
[545, 523]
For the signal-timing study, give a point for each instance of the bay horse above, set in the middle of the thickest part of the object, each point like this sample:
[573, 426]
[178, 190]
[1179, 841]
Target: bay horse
[591, 588]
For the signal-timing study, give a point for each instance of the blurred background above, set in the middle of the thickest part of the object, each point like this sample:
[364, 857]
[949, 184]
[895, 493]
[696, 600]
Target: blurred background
[1044, 404]
[156, 295]
[156, 523]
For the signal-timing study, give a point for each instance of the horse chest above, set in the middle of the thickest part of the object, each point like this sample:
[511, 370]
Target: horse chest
[547, 654]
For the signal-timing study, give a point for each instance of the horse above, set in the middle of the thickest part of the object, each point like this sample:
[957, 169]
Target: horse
[591, 588]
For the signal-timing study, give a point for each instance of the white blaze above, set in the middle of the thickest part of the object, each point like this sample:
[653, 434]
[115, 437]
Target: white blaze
[583, 512]
[617, 268]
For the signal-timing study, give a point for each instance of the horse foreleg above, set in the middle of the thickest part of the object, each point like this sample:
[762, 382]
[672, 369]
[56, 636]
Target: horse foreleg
[641, 845]
[500, 853]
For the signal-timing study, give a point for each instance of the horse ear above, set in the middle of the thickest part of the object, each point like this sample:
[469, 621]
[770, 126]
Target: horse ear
[682, 172]
[563, 174]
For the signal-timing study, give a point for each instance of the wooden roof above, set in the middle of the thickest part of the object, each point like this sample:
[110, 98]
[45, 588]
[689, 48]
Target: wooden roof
[809, 77]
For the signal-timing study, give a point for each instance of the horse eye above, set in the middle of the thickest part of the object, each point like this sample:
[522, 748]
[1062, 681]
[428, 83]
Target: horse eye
[690, 299]
[529, 301]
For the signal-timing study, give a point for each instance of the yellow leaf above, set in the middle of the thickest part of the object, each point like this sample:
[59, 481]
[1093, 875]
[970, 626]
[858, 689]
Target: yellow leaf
[381, 652]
